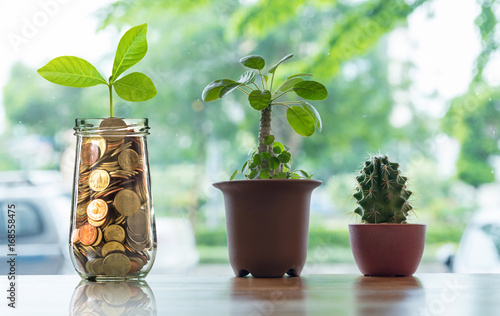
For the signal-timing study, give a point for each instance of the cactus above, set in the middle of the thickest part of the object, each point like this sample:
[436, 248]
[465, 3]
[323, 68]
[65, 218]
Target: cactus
[382, 196]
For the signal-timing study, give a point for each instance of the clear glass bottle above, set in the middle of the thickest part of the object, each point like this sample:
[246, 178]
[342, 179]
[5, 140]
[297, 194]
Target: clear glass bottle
[133, 298]
[113, 233]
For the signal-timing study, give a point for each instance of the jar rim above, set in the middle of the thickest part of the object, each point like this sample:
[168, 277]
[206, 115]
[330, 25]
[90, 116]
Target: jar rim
[128, 126]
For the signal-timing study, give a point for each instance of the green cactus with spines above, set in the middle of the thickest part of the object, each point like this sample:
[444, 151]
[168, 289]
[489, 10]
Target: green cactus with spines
[382, 195]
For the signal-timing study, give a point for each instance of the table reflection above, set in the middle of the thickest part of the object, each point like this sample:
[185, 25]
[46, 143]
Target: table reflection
[388, 296]
[268, 296]
[133, 298]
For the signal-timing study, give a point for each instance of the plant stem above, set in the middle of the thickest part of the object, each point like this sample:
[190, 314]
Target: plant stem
[110, 100]
[279, 96]
[264, 128]
[271, 86]
[242, 90]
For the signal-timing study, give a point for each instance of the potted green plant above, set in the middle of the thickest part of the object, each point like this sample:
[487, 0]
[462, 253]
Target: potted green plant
[112, 230]
[267, 214]
[384, 244]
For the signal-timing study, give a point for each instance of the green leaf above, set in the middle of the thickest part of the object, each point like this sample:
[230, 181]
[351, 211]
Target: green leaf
[233, 175]
[274, 163]
[276, 149]
[259, 100]
[284, 157]
[264, 174]
[243, 168]
[71, 71]
[314, 114]
[302, 74]
[257, 159]
[268, 140]
[300, 120]
[265, 155]
[135, 87]
[228, 89]
[304, 173]
[295, 176]
[273, 68]
[254, 174]
[310, 90]
[281, 175]
[212, 90]
[253, 61]
[247, 77]
[289, 83]
[131, 49]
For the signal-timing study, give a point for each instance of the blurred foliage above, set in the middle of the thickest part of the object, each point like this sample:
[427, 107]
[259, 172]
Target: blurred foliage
[192, 142]
[325, 245]
[474, 117]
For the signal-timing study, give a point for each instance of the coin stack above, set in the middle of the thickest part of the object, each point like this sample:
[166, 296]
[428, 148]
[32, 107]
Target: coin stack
[116, 298]
[111, 234]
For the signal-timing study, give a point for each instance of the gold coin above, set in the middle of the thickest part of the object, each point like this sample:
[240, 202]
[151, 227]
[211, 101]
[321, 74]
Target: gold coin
[89, 153]
[128, 159]
[116, 293]
[81, 210]
[99, 180]
[112, 246]
[99, 142]
[87, 234]
[97, 223]
[98, 239]
[88, 267]
[116, 264]
[74, 236]
[113, 128]
[114, 233]
[97, 210]
[139, 262]
[134, 266]
[127, 202]
[97, 266]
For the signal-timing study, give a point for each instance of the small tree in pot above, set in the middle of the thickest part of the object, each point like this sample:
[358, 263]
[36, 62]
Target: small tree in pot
[385, 244]
[268, 218]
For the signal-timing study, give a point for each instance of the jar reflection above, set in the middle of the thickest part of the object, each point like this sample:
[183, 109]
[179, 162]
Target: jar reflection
[133, 298]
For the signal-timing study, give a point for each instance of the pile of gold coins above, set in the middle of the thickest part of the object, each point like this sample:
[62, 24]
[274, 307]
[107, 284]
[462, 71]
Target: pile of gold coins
[113, 298]
[111, 233]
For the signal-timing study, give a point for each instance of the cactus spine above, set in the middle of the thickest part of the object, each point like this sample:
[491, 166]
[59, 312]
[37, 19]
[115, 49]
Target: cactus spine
[382, 196]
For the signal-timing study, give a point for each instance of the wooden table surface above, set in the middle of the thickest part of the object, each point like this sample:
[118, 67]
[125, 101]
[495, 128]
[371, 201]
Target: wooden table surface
[335, 294]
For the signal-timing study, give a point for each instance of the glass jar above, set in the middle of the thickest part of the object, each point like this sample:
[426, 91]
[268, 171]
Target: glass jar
[133, 298]
[113, 233]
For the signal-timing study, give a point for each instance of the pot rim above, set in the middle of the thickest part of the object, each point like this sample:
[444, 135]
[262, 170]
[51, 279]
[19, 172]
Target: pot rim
[387, 224]
[267, 180]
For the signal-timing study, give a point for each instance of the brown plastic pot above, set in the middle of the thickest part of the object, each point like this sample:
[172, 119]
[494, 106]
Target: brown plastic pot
[387, 249]
[267, 225]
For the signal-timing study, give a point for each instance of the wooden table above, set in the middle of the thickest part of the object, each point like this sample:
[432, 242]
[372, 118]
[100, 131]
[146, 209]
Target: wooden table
[423, 294]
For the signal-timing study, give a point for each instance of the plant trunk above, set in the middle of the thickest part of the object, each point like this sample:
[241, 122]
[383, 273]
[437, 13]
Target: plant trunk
[264, 129]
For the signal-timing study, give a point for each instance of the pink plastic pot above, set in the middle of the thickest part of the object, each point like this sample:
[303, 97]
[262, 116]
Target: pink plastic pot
[387, 249]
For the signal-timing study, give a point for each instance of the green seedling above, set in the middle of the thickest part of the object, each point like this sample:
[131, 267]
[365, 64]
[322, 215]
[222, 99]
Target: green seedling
[272, 159]
[76, 72]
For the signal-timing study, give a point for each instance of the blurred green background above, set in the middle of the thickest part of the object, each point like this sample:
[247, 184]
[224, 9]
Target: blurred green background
[371, 55]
